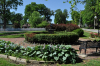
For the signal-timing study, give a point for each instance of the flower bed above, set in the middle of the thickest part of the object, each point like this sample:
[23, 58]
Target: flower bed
[93, 35]
[59, 53]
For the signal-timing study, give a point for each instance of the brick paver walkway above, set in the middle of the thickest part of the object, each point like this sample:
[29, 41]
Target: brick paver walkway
[22, 42]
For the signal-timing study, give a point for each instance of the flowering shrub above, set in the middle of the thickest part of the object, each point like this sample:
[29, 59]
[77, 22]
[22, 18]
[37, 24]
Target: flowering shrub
[60, 53]
[93, 35]
[54, 26]
[71, 27]
[57, 27]
[61, 27]
[29, 36]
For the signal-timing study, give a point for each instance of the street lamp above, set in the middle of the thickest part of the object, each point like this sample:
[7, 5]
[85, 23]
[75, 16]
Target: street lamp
[95, 18]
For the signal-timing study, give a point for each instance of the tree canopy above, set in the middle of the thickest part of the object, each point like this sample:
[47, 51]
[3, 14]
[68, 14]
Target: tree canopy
[35, 19]
[75, 16]
[60, 17]
[6, 5]
[41, 8]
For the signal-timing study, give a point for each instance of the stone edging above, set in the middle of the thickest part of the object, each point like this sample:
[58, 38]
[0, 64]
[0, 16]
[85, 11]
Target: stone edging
[24, 61]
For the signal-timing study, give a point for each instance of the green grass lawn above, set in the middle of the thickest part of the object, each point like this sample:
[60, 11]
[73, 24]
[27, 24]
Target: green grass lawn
[87, 36]
[93, 62]
[15, 34]
[7, 62]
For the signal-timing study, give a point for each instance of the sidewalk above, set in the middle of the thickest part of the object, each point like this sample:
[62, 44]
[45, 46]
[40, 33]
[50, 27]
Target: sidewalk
[92, 30]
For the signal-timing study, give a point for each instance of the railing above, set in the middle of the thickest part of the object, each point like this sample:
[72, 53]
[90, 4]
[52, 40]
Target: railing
[23, 29]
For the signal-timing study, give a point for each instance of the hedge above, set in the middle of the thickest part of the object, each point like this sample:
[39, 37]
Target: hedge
[79, 31]
[67, 37]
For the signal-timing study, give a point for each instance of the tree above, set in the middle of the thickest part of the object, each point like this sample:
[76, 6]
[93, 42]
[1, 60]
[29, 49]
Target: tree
[60, 17]
[43, 24]
[89, 13]
[41, 8]
[35, 19]
[15, 18]
[6, 5]
[75, 16]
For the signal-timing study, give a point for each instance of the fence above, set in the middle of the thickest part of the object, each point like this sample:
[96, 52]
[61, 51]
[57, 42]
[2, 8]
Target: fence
[23, 29]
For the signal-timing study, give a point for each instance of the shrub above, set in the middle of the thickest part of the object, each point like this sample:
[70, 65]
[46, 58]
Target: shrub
[61, 27]
[51, 26]
[57, 27]
[54, 38]
[71, 27]
[59, 53]
[79, 31]
[29, 36]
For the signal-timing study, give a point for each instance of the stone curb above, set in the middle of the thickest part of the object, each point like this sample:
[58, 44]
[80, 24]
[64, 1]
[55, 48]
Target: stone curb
[82, 55]
[24, 61]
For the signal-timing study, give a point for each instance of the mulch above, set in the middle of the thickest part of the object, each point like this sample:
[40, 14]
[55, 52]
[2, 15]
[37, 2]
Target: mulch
[90, 52]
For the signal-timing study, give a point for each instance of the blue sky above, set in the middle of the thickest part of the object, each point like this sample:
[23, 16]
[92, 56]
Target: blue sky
[52, 4]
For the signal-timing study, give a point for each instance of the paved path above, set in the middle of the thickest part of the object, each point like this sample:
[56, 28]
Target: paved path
[92, 30]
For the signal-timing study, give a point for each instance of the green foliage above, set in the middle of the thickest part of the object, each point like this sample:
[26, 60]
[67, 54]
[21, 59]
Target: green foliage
[79, 31]
[60, 17]
[41, 8]
[43, 24]
[59, 53]
[6, 5]
[89, 13]
[66, 37]
[35, 19]
[16, 19]
[75, 16]
[7, 62]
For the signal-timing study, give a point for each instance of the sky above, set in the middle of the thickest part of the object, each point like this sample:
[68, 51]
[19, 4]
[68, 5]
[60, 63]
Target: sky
[52, 4]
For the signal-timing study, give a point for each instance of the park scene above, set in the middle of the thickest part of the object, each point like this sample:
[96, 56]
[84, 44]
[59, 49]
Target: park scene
[41, 33]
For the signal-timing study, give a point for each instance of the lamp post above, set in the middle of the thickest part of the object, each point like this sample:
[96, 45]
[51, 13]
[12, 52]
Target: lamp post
[95, 18]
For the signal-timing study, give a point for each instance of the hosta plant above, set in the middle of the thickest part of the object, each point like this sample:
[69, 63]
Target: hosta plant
[59, 53]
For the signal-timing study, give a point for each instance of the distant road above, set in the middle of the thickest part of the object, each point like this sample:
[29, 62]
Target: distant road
[92, 30]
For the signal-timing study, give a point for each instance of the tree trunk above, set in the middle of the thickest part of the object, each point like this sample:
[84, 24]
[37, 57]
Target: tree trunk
[4, 16]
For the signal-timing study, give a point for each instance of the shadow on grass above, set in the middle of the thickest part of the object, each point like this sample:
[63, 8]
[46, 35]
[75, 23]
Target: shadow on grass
[94, 54]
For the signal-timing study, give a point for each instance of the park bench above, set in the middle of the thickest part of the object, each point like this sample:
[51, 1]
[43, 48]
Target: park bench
[89, 44]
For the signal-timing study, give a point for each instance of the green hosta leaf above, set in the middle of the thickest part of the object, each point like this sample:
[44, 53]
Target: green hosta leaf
[38, 52]
[44, 57]
[51, 55]
[46, 53]
[62, 52]
[66, 55]
[27, 53]
[40, 55]
[71, 53]
[64, 58]
[56, 58]
[59, 54]
[34, 52]
[55, 53]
